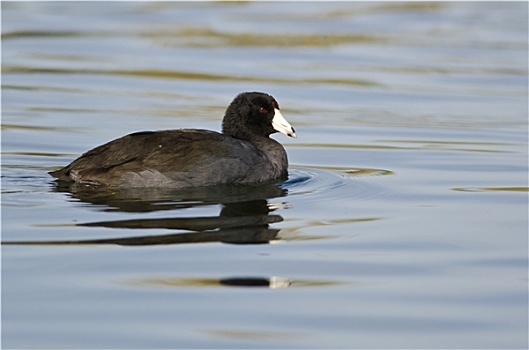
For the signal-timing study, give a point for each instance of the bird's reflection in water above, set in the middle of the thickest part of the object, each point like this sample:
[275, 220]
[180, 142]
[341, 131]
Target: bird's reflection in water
[157, 199]
[271, 282]
[244, 217]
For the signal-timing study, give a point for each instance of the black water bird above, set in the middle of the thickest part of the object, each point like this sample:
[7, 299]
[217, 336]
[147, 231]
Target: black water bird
[242, 154]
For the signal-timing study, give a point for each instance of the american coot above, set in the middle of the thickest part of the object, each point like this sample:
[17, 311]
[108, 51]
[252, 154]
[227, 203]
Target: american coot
[242, 154]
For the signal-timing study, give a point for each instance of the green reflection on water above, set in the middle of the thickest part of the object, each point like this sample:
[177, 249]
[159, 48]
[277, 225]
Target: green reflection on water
[185, 75]
[491, 189]
[350, 170]
[208, 37]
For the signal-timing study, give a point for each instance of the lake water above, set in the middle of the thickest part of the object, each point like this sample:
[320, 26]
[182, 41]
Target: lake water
[404, 221]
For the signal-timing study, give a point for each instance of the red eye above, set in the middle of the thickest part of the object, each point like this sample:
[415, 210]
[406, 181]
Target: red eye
[262, 110]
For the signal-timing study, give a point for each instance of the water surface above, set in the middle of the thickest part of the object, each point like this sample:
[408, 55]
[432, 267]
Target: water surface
[403, 223]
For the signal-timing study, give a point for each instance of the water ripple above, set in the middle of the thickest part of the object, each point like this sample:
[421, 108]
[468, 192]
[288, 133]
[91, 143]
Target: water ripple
[331, 181]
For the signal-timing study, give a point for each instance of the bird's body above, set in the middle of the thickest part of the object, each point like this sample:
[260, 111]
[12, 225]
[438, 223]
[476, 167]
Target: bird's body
[242, 154]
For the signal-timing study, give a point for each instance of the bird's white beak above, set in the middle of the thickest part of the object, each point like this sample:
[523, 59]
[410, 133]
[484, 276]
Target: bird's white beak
[279, 123]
